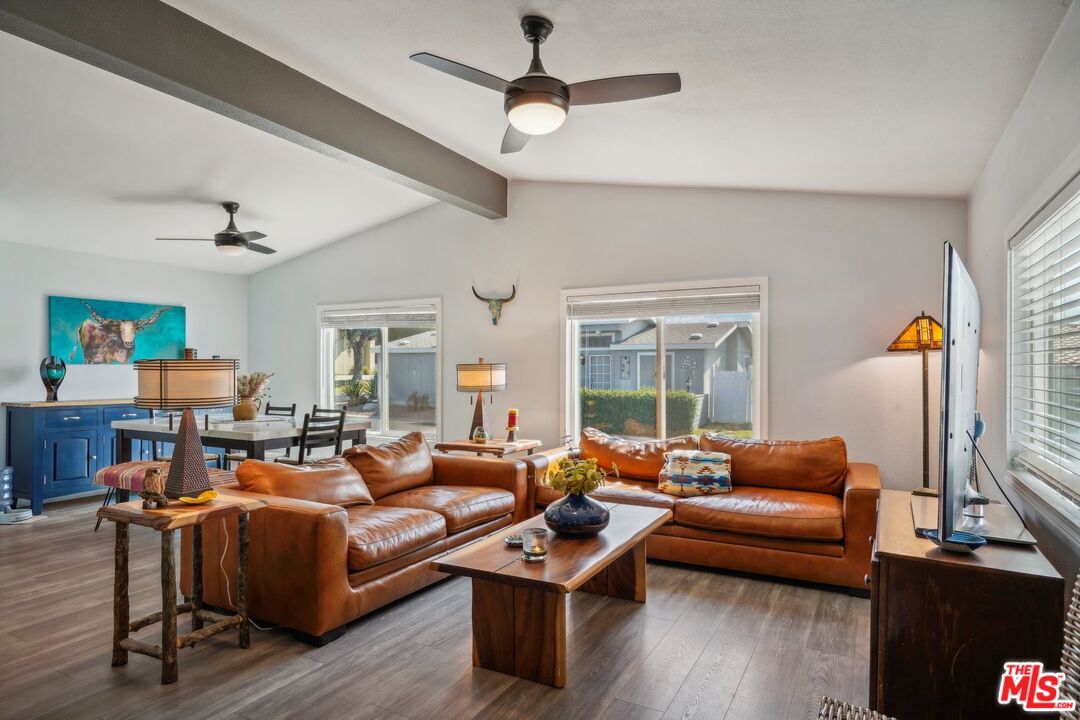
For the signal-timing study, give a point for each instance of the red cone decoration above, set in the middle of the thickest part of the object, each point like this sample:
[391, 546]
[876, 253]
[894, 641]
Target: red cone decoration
[187, 471]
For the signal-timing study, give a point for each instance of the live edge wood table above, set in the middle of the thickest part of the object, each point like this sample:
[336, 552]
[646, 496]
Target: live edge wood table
[167, 521]
[519, 608]
[498, 449]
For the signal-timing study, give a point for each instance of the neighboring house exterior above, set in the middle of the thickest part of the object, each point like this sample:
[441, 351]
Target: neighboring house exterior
[710, 359]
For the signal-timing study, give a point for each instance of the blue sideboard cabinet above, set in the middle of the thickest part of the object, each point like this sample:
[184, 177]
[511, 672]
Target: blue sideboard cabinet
[55, 448]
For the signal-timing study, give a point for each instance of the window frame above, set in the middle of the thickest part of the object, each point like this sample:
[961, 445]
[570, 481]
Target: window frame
[1069, 487]
[568, 346]
[589, 368]
[325, 345]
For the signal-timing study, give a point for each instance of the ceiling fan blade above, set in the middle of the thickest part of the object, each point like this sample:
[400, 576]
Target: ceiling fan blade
[261, 248]
[626, 87]
[513, 140]
[464, 72]
[251, 235]
[189, 239]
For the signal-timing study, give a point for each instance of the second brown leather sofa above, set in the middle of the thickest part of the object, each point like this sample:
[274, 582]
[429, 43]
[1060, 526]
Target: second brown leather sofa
[342, 537]
[797, 509]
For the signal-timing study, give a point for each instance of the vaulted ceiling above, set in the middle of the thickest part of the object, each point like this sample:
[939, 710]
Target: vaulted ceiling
[906, 97]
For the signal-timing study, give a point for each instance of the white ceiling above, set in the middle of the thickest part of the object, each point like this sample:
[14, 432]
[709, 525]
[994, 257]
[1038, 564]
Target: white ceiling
[869, 96]
[92, 162]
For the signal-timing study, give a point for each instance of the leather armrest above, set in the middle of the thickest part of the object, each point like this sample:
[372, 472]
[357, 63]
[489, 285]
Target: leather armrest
[504, 473]
[538, 464]
[862, 487]
[297, 563]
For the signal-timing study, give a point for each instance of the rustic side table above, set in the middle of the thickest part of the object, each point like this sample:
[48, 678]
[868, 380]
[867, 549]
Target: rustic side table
[492, 447]
[166, 521]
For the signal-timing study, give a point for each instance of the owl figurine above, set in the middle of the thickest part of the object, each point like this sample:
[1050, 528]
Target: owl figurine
[153, 493]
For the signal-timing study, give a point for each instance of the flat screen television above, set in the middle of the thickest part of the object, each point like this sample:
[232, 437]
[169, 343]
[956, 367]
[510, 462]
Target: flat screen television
[959, 384]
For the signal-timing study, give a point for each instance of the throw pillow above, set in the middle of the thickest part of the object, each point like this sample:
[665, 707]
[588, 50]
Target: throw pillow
[635, 460]
[695, 472]
[399, 465]
[332, 481]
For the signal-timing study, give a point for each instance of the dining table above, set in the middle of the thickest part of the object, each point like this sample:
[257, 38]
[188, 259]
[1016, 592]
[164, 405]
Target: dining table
[255, 437]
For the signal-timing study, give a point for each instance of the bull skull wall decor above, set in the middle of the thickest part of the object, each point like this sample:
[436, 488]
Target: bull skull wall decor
[495, 305]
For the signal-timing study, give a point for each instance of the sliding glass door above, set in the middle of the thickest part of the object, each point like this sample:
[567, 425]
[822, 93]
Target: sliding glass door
[381, 362]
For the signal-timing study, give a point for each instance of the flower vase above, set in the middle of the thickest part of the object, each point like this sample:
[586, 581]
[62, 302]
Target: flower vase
[576, 514]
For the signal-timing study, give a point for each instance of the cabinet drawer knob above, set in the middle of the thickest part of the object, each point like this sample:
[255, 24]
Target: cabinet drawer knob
[72, 417]
[866, 580]
[130, 415]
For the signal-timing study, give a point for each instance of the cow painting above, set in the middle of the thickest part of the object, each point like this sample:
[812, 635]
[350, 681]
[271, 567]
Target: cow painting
[109, 340]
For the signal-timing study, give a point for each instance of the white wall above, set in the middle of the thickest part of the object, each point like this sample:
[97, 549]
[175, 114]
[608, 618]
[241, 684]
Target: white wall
[845, 274]
[216, 316]
[1037, 154]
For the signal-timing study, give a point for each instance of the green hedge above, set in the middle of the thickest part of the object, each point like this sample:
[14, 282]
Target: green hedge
[609, 410]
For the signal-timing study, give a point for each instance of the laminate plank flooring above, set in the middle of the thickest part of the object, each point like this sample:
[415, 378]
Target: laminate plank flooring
[707, 645]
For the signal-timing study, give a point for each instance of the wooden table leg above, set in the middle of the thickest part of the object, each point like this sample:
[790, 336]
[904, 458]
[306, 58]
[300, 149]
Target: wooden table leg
[169, 671]
[520, 631]
[196, 577]
[257, 450]
[626, 576]
[121, 612]
[241, 579]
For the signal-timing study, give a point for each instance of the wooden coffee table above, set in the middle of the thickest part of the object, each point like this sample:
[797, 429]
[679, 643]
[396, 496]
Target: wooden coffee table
[519, 608]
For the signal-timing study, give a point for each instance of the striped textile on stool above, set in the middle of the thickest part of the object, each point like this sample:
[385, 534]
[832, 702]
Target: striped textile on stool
[129, 475]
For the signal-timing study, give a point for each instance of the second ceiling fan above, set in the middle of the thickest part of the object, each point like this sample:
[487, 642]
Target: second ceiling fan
[537, 103]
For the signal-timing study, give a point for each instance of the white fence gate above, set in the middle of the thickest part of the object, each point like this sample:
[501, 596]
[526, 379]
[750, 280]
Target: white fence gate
[730, 397]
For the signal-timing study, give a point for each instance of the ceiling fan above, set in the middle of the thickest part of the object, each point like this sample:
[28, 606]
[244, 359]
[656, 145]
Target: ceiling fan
[536, 103]
[231, 241]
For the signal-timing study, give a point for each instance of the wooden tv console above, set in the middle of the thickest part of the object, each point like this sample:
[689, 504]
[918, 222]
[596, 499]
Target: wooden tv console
[942, 624]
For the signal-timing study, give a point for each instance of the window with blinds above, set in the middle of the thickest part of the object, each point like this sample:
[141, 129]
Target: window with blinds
[381, 361]
[1044, 347]
[657, 362]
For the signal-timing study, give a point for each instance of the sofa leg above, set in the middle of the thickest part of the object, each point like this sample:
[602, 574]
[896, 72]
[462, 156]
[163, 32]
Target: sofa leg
[320, 640]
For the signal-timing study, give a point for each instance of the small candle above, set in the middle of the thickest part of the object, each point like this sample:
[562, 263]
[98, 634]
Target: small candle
[534, 544]
[512, 418]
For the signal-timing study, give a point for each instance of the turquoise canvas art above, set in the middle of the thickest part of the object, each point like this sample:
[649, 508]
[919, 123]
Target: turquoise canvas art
[104, 332]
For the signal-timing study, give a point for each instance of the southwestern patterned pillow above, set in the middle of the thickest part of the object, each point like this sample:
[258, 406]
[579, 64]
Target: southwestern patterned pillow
[695, 472]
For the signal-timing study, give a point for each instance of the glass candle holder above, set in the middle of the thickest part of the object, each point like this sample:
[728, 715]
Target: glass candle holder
[534, 544]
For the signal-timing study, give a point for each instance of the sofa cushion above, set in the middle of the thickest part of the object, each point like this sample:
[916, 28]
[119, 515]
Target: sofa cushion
[769, 512]
[627, 492]
[332, 481]
[812, 465]
[636, 460]
[695, 472]
[378, 533]
[399, 465]
[462, 506]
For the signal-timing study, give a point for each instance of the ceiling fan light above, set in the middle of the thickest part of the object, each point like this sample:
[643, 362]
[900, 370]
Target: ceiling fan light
[231, 250]
[536, 117]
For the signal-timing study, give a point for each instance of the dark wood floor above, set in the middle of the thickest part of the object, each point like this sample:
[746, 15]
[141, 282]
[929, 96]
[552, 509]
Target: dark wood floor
[705, 645]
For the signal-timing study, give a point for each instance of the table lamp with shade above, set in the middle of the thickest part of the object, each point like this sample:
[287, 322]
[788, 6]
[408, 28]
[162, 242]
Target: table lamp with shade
[182, 385]
[480, 377]
[922, 334]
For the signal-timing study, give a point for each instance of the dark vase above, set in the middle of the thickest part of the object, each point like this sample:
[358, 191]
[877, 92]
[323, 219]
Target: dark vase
[52, 370]
[576, 514]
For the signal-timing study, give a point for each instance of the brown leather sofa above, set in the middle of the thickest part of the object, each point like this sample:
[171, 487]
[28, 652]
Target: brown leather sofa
[342, 537]
[797, 509]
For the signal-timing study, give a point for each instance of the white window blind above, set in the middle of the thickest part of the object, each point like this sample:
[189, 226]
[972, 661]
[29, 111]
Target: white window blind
[417, 316]
[1044, 347]
[685, 301]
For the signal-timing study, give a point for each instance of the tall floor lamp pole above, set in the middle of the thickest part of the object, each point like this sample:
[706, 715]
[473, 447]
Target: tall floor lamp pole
[922, 334]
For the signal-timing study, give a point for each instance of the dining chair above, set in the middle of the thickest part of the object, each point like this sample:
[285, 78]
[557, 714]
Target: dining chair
[323, 427]
[274, 410]
[1070, 667]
